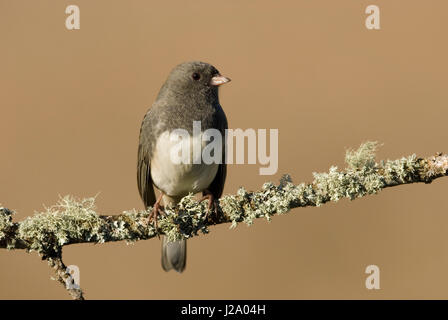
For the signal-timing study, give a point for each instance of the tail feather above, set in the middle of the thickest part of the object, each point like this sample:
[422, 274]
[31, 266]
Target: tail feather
[174, 255]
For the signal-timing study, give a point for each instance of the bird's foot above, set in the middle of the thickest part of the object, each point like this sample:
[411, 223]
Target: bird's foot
[212, 206]
[155, 213]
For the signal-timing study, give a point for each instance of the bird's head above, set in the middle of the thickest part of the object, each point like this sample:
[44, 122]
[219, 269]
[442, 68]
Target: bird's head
[195, 77]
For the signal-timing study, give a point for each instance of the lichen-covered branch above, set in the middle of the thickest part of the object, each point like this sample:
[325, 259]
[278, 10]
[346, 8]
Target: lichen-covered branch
[76, 221]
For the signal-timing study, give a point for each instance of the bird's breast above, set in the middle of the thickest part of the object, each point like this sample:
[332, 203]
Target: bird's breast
[176, 175]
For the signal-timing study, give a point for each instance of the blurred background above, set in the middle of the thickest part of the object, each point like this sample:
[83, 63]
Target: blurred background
[71, 105]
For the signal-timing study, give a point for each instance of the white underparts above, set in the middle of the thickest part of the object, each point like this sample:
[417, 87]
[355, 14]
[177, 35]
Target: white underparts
[179, 179]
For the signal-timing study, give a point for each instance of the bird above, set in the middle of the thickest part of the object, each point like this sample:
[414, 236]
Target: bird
[190, 93]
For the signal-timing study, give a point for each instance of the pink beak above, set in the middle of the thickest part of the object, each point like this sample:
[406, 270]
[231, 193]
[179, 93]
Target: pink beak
[219, 80]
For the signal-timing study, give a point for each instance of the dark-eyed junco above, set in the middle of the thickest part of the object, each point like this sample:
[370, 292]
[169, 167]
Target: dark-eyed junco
[189, 94]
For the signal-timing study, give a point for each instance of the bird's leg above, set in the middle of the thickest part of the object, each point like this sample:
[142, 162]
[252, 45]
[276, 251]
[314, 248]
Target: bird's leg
[212, 205]
[156, 211]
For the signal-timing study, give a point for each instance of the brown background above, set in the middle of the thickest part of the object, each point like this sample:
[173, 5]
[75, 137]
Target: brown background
[72, 103]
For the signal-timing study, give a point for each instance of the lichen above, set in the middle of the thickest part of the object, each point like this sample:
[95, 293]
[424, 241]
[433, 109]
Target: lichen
[75, 221]
[72, 220]
[185, 220]
[131, 226]
[363, 158]
[5, 222]
[406, 169]
[48, 231]
[437, 165]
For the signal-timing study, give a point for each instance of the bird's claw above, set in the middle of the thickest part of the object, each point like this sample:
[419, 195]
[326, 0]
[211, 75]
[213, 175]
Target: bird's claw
[157, 211]
[212, 206]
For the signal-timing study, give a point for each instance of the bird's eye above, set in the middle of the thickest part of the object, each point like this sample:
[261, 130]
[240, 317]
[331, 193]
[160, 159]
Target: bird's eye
[196, 76]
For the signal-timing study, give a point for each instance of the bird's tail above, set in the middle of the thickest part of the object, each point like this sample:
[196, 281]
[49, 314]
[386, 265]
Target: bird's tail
[174, 255]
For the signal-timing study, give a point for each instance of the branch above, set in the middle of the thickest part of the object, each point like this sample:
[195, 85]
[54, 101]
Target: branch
[75, 221]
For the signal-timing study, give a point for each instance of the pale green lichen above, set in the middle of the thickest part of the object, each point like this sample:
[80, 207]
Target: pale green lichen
[248, 206]
[5, 222]
[335, 185]
[360, 178]
[403, 170]
[363, 176]
[131, 226]
[74, 221]
[362, 158]
[70, 219]
[437, 165]
[185, 220]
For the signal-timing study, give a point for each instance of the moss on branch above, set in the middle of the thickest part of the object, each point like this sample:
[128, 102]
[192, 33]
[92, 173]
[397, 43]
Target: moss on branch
[73, 221]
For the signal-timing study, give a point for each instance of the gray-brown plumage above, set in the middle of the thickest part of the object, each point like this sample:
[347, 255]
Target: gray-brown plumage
[189, 94]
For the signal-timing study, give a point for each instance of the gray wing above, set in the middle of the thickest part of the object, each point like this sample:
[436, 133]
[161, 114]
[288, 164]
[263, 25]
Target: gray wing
[217, 186]
[144, 180]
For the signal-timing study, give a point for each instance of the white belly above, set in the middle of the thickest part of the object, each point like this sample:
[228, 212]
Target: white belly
[180, 179]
